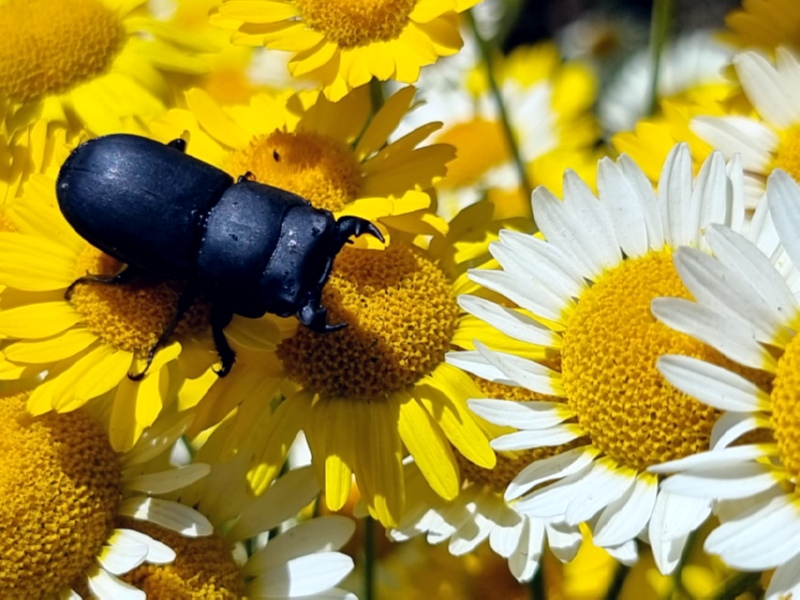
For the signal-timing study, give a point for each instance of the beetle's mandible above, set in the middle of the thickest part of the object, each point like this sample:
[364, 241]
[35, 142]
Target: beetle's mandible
[247, 247]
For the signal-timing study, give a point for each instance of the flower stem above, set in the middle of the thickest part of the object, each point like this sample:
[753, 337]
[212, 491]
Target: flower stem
[369, 558]
[537, 586]
[505, 121]
[615, 587]
[659, 31]
[736, 585]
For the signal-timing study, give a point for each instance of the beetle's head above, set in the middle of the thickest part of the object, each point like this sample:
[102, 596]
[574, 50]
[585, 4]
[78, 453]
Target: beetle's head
[300, 266]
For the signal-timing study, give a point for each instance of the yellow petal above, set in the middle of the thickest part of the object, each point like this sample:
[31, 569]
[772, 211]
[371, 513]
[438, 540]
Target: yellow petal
[331, 441]
[444, 394]
[35, 264]
[40, 320]
[385, 122]
[94, 374]
[313, 58]
[70, 343]
[258, 11]
[427, 444]
[214, 120]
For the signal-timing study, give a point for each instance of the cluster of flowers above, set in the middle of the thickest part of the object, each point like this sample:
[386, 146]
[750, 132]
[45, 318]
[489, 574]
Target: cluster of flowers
[578, 331]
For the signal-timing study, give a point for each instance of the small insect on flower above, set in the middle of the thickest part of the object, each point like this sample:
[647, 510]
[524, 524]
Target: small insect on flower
[246, 247]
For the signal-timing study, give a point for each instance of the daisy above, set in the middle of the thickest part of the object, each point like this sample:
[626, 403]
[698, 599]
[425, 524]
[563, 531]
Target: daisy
[768, 138]
[89, 344]
[344, 45]
[748, 303]
[244, 558]
[87, 62]
[71, 506]
[369, 394]
[765, 24]
[334, 154]
[584, 296]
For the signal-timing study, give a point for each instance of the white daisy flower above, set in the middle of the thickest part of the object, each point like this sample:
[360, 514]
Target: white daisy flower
[584, 297]
[754, 310]
[72, 508]
[245, 557]
[771, 137]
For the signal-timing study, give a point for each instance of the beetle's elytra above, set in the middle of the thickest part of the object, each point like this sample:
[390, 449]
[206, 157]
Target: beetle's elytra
[247, 247]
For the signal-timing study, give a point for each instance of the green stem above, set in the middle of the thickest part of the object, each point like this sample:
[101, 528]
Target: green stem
[377, 94]
[736, 585]
[659, 31]
[615, 587]
[505, 121]
[369, 558]
[536, 585]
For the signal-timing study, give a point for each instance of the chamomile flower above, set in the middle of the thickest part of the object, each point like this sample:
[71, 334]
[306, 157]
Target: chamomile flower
[770, 137]
[588, 287]
[345, 44]
[71, 505]
[334, 154]
[87, 62]
[88, 344]
[748, 303]
[242, 558]
[369, 394]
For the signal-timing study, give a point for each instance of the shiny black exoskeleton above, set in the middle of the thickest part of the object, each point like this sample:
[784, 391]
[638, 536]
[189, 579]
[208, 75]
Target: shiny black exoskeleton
[247, 247]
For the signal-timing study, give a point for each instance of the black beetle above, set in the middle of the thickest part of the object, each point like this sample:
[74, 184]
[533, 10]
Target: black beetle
[247, 247]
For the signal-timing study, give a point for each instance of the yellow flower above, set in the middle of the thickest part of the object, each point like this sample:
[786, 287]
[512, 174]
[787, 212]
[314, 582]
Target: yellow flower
[331, 153]
[766, 24]
[68, 502]
[345, 44]
[87, 62]
[90, 343]
[380, 388]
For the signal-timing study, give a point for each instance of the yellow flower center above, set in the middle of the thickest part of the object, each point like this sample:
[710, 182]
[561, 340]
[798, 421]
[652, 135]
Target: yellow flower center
[610, 348]
[203, 568]
[356, 22]
[400, 315]
[130, 317]
[60, 488]
[321, 169]
[786, 409]
[509, 464]
[788, 155]
[47, 47]
[480, 145]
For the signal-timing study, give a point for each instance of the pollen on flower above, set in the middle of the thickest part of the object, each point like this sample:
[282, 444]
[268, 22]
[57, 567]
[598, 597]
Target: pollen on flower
[319, 168]
[400, 314]
[356, 22]
[509, 464]
[60, 486]
[47, 47]
[203, 568]
[788, 155]
[129, 317]
[785, 416]
[610, 348]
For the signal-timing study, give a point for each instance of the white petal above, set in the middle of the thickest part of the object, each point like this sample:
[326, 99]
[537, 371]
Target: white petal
[675, 516]
[600, 487]
[564, 540]
[579, 226]
[129, 548]
[783, 199]
[527, 373]
[667, 554]
[473, 362]
[626, 553]
[711, 384]
[540, 301]
[722, 482]
[710, 196]
[675, 197]
[157, 438]
[168, 481]
[524, 440]
[551, 468]
[749, 138]
[731, 426]
[550, 502]
[470, 534]
[766, 89]
[171, 515]
[504, 538]
[713, 458]
[785, 582]
[647, 199]
[511, 322]
[524, 562]
[105, 586]
[626, 207]
[623, 519]
[302, 576]
[522, 415]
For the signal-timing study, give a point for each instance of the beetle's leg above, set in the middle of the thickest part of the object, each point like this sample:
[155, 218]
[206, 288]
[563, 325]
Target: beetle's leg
[219, 321]
[248, 176]
[127, 275]
[178, 144]
[185, 302]
[348, 227]
[314, 316]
